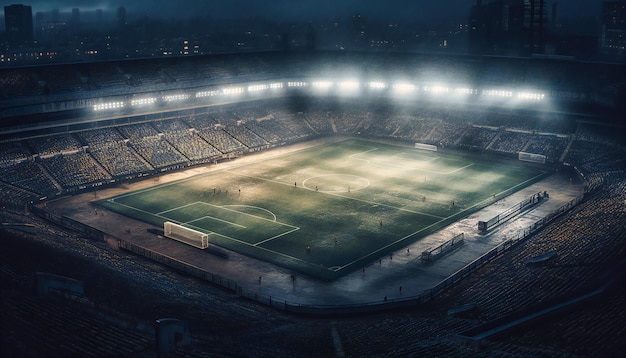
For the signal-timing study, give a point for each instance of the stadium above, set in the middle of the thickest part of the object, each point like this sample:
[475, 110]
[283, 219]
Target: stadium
[354, 203]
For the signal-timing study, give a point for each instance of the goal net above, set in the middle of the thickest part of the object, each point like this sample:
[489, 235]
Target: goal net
[424, 146]
[532, 157]
[186, 235]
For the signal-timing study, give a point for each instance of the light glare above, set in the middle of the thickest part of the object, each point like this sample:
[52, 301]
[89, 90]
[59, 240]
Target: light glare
[232, 91]
[108, 105]
[175, 97]
[403, 88]
[142, 101]
[377, 85]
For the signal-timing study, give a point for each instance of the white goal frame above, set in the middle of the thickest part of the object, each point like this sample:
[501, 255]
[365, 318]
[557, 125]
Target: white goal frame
[424, 146]
[185, 235]
[532, 157]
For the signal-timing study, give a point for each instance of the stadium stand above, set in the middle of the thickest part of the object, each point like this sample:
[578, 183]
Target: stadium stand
[30, 176]
[76, 170]
[477, 137]
[588, 240]
[152, 146]
[187, 141]
[221, 140]
[246, 136]
[548, 145]
[13, 152]
[510, 142]
[14, 198]
[318, 120]
[56, 144]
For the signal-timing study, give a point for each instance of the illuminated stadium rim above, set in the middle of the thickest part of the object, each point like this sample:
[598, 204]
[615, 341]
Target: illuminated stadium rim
[344, 87]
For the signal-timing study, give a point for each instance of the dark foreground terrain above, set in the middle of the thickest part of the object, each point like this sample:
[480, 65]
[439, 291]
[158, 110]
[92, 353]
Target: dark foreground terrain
[124, 294]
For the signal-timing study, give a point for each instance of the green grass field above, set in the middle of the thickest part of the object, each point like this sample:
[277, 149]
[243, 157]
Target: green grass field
[331, 209]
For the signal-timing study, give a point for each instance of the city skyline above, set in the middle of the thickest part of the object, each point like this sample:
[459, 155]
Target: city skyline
[75, 30]
[302, 10]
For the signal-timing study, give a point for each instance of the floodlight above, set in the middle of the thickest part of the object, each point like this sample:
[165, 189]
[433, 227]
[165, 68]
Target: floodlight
[175, 97]
[436, 89]
[532, 96]
[403, 88]
[498, 93]
[297, 84]
[207, 93]
[377, 85]
[321, 84]
[108, 105]
[232, 91]
[257, 88]
[464, 90]
[350, 85]
[137, 102]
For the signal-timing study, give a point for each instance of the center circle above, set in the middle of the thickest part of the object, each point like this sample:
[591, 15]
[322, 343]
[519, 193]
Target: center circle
[336, 183]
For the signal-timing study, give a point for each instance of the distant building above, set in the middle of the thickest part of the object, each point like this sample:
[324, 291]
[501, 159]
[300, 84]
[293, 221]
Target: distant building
[121, 17]
[508, 27]
[18, 20]
[613, 32]
[51, 29]
[75, 21]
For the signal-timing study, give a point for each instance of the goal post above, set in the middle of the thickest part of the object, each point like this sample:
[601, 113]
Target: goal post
[185, 235]
[424, 146]
[532, 157]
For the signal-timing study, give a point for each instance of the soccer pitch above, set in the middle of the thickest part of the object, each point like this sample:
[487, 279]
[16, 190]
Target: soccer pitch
[328, 210]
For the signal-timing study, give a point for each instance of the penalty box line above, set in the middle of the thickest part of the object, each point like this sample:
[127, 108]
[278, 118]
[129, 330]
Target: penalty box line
[227, 209]
[255, 245]
[293, 228]
[342, 196]
[216, 219]
[384, 163]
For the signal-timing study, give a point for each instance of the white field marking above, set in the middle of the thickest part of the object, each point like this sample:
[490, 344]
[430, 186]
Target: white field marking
[390, 244]
[180, 207]
[276, 236]
[384, 163]
[218, 234]
[293, 228]
[392, 165]
[404, 154]
[194, 177]
[359, 153]
[418, 231]
[344, 197]
[255, 207]
[225, 236]
[247, 243]
[332, 191]
[222, 235]
[385, 205]
[216, 219]
[254, 245]
[458, 169]
[147, 212]
[254, 216]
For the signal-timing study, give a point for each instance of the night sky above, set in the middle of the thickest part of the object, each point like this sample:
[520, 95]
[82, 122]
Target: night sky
[298, 10]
